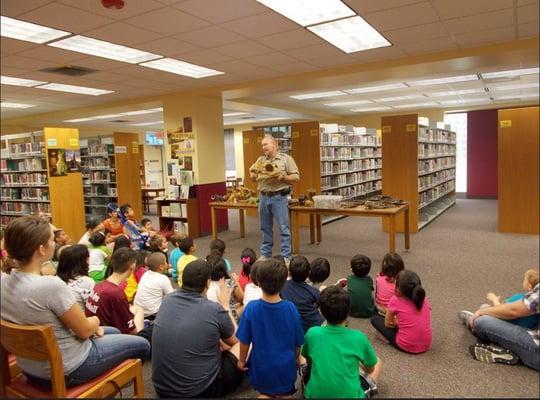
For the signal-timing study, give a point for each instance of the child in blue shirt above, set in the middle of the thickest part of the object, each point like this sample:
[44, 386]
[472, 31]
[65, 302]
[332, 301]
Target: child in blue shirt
[176, 253]
[273, 328]
[305, 297]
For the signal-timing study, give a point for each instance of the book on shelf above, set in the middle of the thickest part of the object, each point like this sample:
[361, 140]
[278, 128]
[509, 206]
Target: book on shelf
[179, 226]
[165, 211]
[183, 209]
[175, 210]
[184, 191]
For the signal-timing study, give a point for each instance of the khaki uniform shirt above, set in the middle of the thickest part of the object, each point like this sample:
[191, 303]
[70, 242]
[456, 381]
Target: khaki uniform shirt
[286, 164]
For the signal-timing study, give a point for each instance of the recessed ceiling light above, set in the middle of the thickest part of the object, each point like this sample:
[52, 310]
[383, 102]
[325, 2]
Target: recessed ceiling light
[181, 68]
[142, 112]
[510, 73]
[8, 80]
[514, 86]
[348, 103]
[399, 98]
[518, 96]
[456, 92]
[318, 95]
[101, 48]
[7, 104]
[415, 105]
[148, 123]
[350, 34]
[309, 12]
[234, 114]
[449, 79]
[21, 30]
[74, 89]
[464, 101]
[108, 116]
[368, 109]
[80, 119]
[378, 88]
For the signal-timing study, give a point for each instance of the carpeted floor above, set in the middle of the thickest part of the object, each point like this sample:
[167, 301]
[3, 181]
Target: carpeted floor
[459, 257]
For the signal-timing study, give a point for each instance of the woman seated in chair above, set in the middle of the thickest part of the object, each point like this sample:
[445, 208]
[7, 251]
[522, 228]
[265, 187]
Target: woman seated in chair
[27, 298]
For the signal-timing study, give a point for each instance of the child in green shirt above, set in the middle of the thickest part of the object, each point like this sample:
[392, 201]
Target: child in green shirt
[341, 361]
[360, 287]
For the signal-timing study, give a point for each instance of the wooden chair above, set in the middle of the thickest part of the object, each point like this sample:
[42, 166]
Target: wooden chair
[38, 342]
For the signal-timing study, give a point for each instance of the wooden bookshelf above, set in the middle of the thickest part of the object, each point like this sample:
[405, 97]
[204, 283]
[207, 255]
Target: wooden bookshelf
[519, 170]
[128, 171]
[419, 167]
[185, 219]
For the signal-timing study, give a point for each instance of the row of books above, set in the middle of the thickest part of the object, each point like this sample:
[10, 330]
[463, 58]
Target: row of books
[435, 163]
[349, 166]
[100, 176]
[99, 148]
[330, 153]
[25, 208]
[25, 194]
[27, 164]
[436, 178]
[100, 190]
[100, 162]
[347, 139]
[178, 210]
[36, 178]
[357, 190]
[328, 182]
[433, 194]
[436, 135]
[334, 128]
[434, 149]
[26, 148]
[179, 226]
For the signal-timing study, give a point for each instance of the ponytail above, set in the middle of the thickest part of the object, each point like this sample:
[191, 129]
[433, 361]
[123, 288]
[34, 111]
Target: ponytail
[409, 285]
[418, 296]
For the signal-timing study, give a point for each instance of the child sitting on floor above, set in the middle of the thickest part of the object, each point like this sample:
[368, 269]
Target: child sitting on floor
[91, 224]
[100, 255]
[273, 328]
[319, 272]
[175, 254]
[385, 282]
[407, 323]
[218, 272]
[188, 247]
[253, 291]
[131, 284]
[73, 269]
[360, 287]
[217, 246]
[302, 295]
[153, 286]
[341, 361]
[248, 258]
[146, 223]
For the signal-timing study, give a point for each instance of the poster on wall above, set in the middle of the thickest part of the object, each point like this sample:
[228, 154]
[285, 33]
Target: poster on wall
[57, 162]
[187, 124]
[181, 142]
[73, 158]
[170, 166]
[188, 162]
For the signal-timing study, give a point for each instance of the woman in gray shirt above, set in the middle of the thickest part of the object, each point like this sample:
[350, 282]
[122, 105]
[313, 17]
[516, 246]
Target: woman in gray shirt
[28, 298]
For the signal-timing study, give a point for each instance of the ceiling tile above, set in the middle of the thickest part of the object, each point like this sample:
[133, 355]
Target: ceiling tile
[221, 11]
[261, 25]
[245, 48]
[47, 53]
[130, 9]
[271, 59]
[99, 63]
[427, 46]
[167, 46]
[211, 36]
[13, 71]
[364, 7]
[317, 51]
[416, 33]
[383, 53]
[60, 16]
[13, 46]
[290, 40]
[203, 57]
[13, 8]
[483, 37]
[528, 30]
[402, 17]
[121, 33]
[106, 77]
[528, 14]
[233, 66]
[293, 67]
[167, 21]
[27, 63]
[334, 61]
[459, 8]
[480, 22]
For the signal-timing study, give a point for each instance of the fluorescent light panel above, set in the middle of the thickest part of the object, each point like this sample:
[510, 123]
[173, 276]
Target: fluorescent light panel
[101, 48]
[318, 95]
[7, 104]
[348, 103]
[142, 112]
[21, 30]
[148, 123]
[514, 86]
[464, 101]
[309, 12]
[399, 98]
[449, 79]
[415, 105]
[378, 88]
[368, 109]
[181, 68]
[350, 35]
[510, 73]
[8, 80]
[74, 89]
[80, 119]
[518, 96]
[456, 92]
[234, 114]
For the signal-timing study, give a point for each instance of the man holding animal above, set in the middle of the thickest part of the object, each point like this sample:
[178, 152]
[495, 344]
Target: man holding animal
[274, 173]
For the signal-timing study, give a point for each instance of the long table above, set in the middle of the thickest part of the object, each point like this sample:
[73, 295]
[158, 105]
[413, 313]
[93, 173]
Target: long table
[390, 214]
[214, 205]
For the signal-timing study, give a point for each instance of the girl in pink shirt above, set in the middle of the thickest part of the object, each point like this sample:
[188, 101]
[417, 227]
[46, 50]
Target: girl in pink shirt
[248, 258]
[385, 282]
[407, 324]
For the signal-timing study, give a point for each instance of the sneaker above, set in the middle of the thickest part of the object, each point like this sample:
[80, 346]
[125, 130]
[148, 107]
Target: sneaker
[465, 316]
[342, 283]
[489, 353]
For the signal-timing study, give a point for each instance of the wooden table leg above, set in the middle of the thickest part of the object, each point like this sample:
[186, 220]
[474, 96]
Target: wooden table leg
[319, 227]
[311, 228]
[406, 226]
[295, 233]
[242, 224]
[214, 222]
[392, 233]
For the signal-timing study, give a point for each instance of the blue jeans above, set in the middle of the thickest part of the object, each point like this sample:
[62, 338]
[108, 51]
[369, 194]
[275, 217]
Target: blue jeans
[269, 208]
[510, 336]
[106, 352]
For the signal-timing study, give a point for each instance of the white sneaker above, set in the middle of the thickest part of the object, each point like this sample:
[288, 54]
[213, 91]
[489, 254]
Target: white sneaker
[465, 317]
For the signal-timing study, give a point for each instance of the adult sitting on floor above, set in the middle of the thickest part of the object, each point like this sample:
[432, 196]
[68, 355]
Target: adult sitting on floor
[189, 331]
[508, 343]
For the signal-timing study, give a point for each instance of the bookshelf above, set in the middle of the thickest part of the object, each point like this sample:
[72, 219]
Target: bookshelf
[24, 180]
[179, 215]
[99, 176]
[419, 167]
